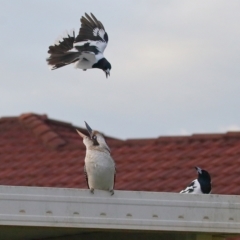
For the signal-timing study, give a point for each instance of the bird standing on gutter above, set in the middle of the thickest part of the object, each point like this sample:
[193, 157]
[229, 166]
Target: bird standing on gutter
[201, 185]
[99, 165]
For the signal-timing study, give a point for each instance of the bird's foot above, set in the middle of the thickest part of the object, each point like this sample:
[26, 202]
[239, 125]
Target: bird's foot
[92, 190]
[111, 191]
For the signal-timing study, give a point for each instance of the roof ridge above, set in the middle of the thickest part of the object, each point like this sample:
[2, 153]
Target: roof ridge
[38, 125]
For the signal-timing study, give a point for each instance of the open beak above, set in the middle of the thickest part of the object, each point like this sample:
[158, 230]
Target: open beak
[89, 129]
[81, 134]
[199, 170]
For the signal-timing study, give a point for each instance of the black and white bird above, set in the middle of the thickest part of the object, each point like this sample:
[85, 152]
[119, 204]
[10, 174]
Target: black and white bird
[85, 50]
[201, 185]
[99, 165]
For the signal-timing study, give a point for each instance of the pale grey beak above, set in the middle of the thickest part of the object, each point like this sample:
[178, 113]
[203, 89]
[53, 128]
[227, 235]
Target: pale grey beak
[199, 170]
[107, 73]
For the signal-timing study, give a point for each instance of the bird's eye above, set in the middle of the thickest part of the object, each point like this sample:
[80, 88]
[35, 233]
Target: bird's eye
[94, 137]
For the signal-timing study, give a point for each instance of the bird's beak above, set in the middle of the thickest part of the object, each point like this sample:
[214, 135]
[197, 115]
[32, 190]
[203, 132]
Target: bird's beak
[199, 170]
[89, 129]
[81, 134]
[107, 73]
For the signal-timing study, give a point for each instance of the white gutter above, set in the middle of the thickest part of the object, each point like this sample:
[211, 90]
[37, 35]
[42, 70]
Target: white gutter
[129, 210]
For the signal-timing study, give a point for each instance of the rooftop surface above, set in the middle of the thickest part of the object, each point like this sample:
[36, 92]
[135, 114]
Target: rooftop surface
[38, 151]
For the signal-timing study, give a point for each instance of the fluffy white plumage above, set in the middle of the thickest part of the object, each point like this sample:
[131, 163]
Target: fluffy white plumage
[99, 165]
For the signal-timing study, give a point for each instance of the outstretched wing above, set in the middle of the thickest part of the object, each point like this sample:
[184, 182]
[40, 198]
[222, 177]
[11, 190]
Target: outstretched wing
[92, 31]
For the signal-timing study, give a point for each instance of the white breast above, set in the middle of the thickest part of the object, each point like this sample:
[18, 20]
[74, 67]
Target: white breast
[100, 169]
[83, 64]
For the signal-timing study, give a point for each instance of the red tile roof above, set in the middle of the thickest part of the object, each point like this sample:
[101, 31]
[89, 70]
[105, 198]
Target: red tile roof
[38, 151]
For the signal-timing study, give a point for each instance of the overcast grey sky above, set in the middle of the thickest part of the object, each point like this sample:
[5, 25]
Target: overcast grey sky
[175, 66]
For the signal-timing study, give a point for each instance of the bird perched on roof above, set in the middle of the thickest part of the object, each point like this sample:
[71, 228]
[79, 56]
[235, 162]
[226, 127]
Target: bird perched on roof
[201, 185]
[99, 165]
[85, 50]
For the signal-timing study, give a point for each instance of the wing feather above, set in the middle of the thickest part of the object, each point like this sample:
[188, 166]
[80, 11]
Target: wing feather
[193, 187]
[63, 45]
[93, 32]
[86, 176]
[114, 180]
[92, 23]
[61, 54]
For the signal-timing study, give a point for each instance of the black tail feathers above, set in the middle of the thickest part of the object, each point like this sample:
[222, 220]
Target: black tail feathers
[59, 55]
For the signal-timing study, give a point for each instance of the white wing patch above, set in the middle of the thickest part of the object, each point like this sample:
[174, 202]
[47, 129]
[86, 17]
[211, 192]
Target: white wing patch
[95, 31]
[92, 43]
[99, 32]
[193, 188]
[101, 45]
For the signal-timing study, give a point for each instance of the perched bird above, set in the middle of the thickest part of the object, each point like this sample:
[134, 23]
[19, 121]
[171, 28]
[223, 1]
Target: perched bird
[99, 165]
[201, 185]
[85, 50]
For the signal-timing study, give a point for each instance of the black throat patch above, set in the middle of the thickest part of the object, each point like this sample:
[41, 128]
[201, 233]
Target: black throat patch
[102, 64]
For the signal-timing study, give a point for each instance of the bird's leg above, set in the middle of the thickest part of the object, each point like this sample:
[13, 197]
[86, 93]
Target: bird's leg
[92, 190]
[111, 191]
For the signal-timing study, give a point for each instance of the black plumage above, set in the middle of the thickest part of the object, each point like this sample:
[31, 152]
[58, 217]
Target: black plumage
[201, 185]
[85, 50]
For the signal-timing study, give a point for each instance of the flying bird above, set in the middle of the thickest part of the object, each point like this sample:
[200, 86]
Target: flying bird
[201, 185]
[85, 50]
[99, 165]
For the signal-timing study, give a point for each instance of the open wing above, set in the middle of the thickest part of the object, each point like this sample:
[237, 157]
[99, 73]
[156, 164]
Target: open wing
[92, 31]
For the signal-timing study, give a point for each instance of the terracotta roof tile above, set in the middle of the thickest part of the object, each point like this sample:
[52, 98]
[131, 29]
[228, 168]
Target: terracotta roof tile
[37, 124]
[38, 151]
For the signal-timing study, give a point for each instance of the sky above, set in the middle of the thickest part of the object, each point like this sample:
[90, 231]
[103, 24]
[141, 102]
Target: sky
[175, 66]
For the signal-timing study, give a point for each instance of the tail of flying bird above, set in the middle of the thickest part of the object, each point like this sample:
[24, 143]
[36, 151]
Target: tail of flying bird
[60, 54]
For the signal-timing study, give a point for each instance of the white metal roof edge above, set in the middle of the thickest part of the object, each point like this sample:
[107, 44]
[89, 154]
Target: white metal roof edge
[132, 210]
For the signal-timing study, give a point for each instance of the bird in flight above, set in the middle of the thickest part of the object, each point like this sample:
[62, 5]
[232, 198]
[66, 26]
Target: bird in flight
[201, 185]
[85, 50]
[99, 165]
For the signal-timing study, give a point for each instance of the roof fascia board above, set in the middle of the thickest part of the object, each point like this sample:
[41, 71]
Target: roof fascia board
[129, 210]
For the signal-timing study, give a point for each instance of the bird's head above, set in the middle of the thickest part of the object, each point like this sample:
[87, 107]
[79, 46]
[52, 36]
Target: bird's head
[104, 65]
[95, 140]
[203, 173]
